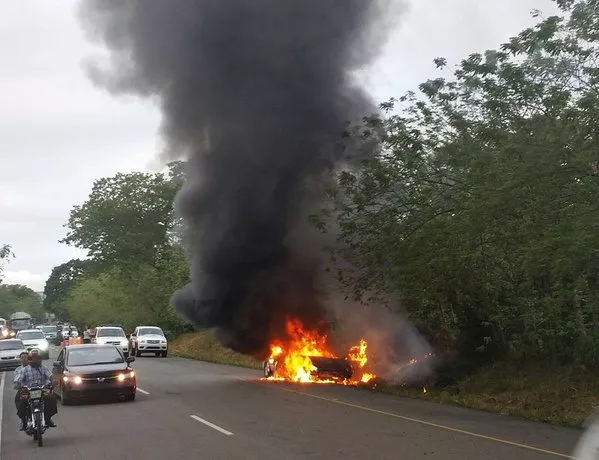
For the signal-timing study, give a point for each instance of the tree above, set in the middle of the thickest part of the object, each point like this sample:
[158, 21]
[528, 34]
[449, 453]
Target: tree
[126, 219]
[480, 206]
[116, 297]
[16, 297]
[5, 253]
[58, 286]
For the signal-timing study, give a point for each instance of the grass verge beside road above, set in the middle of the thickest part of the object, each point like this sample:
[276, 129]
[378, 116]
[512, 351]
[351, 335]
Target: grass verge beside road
[203, 346]
[560, 395]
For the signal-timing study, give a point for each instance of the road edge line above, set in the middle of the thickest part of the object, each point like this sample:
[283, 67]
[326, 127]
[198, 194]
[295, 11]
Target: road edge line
[211, 425]
[143, 391]
[2, 381]
[431, 424]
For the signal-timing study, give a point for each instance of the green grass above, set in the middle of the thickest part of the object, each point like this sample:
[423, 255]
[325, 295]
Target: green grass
[563, 395]
[204, 346]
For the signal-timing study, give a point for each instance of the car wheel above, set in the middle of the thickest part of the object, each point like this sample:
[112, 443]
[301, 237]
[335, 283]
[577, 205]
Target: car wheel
[164, 354]
[130, 397]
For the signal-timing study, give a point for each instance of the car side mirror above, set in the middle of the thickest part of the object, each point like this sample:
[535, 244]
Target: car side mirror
[57, 365]
[130, 359]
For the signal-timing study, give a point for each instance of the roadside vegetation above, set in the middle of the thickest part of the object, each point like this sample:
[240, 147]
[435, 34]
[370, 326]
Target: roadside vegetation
[479, 209]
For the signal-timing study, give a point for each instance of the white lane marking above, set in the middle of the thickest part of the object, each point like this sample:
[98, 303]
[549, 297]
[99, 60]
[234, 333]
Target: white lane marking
[143, 391]
[2, 380]
[211, 425]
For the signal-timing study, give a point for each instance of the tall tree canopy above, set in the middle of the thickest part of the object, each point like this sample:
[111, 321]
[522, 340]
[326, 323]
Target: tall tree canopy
[482, 206]
[16, 297]
[126, 219]
[62, 279]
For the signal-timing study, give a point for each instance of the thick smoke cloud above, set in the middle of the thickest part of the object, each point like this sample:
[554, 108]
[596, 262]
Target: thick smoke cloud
[256, 94]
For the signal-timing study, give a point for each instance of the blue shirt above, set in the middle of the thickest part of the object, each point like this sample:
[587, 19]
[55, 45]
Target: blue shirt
[35, 376]
[17, 375]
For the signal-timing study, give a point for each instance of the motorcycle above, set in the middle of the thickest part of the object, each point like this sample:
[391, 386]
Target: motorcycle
[36, 423]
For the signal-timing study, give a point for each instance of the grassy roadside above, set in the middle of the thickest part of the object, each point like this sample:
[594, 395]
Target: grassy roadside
[203, 346]
[558, 395]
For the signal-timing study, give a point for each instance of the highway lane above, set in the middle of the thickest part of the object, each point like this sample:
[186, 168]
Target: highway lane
[194, 409]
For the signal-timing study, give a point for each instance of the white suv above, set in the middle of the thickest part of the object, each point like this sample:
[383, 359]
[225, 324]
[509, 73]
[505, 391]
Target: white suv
[112, 335]
[148, 339]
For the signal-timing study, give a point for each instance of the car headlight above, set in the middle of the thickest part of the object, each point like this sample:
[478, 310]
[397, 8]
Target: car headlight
[4, 333]
[43, 345]
[163, 341]
[124, 342]
[12, 333]
[143, 341]
[73, 378]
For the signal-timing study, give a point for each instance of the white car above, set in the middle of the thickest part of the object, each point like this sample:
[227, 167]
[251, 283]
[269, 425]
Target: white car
[34, 338]
[148, 339]
[112, 335]
[10, 351]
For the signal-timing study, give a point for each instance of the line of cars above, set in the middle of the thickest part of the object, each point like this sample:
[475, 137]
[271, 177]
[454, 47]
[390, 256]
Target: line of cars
[102, 367]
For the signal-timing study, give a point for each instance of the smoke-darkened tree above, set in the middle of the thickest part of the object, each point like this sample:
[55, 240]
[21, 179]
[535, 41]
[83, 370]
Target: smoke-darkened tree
[482, 206]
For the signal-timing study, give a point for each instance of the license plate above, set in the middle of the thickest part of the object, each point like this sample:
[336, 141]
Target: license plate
[35, 394]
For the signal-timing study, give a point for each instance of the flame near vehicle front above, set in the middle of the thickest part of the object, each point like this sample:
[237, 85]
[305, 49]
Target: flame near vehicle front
[295, 359]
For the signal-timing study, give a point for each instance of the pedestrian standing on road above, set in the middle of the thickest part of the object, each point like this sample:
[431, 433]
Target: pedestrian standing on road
[24, 357]
[86, 335]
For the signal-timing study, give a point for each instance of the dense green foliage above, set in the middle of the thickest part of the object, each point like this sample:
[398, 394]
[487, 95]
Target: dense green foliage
[135, 259]
[481, 208]
[15, 297]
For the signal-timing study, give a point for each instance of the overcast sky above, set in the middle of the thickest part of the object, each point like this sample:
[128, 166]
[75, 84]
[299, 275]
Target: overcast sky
[58, 132]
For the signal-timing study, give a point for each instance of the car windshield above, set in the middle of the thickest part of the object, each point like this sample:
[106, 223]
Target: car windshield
[89, 356]
[48, 328]
[111, 332]
[31, 335]
[11, 345]
[151, 331]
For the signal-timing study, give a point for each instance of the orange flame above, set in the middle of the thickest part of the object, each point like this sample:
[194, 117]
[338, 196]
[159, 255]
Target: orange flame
[293, 363]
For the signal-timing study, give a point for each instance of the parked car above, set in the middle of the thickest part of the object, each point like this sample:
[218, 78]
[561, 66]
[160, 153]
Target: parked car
[148, 339]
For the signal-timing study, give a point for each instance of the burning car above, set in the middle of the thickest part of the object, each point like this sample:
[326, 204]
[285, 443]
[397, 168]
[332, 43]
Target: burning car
[314, 368]
[304, 357]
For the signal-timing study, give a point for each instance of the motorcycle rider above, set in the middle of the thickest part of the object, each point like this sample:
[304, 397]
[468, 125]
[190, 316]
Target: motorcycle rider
[37, 375]
[24, 357]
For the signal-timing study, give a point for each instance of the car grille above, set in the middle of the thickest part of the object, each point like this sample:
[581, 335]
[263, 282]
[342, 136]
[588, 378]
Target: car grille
[9, 357]
[114, 343]
[153, 341]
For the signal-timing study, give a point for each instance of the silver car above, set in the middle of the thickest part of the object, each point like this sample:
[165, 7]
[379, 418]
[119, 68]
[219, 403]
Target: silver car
[10, 349]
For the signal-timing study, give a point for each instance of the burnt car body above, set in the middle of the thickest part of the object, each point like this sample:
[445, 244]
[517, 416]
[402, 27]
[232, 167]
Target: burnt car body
[326, 368]
[92, 370]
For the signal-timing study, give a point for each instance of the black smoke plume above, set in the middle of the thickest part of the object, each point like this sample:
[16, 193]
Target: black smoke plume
[256, 94]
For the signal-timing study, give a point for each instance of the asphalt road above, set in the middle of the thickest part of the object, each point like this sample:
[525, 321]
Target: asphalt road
[188, 409]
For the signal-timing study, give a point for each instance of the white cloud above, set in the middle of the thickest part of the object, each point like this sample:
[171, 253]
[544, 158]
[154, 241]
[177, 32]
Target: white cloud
[35, 281]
